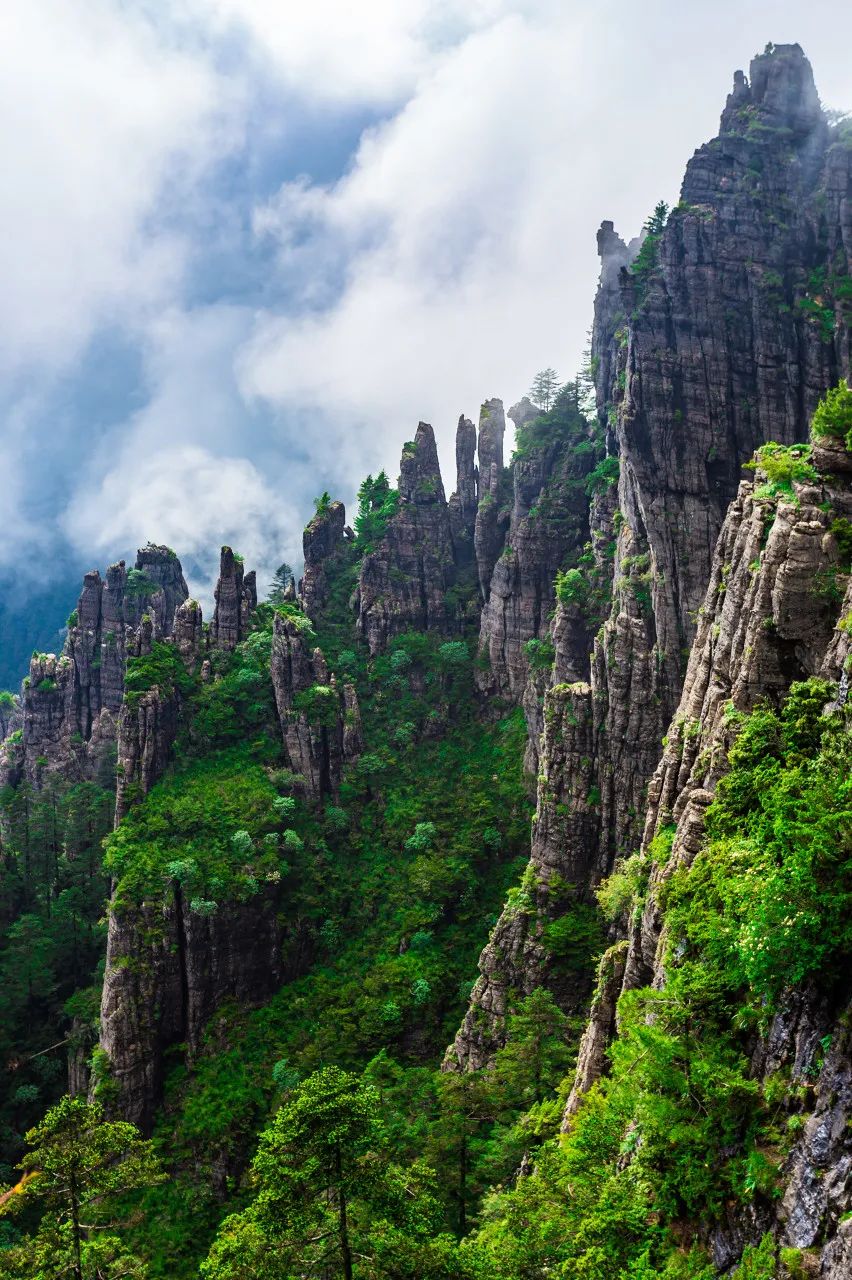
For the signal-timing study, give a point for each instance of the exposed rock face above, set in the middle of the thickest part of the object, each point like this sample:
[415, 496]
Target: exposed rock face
[766, 622]
[320, 726]
[192, 963]
[322, 538]
[403, 583]
[492, 515]
[702, 358]
[463, 503]
[161, 566]
[591, 1060]
[70, 704]
[236, 600]
[723, 344]
[549, 520]
[520, 954]
[10, 717]
[189, 635]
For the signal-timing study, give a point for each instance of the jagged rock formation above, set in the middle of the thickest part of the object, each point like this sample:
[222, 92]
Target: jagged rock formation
[10, 716]
[70, 704]
[320, 724]
[236, 600]
[464, 502]
[492, 514]
[549, 521]
[727, 341]
[725, 337]
[521, 953]
[403, 583]
[191, 962]
[322, 538]
[767, 620]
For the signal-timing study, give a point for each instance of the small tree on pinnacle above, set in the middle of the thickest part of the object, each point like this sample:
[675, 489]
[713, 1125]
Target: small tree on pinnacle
[544, 388]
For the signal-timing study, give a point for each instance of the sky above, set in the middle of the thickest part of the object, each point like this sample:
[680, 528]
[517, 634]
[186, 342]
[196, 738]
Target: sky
[246, 245]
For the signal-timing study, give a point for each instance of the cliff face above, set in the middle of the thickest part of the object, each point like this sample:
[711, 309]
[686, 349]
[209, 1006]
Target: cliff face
[236, 600]
[404, 582]
[721, 334]
[168, 967]
[549, 522]
[775, 612]
[320, 724]
[321, 541]
[70, 704]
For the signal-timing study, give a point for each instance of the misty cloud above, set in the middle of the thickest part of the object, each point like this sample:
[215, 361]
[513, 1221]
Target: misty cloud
[246, 246]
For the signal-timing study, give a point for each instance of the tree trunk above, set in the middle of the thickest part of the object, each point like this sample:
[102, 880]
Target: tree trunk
[342, 1225]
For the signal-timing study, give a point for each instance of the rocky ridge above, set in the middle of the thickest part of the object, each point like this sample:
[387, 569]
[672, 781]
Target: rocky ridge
[723, 334]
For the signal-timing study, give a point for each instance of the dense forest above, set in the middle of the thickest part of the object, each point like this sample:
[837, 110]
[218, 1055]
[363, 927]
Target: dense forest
[481, 905]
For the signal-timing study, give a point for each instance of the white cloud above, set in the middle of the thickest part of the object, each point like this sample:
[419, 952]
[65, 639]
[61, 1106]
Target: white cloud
[192, 500]
[97, 115]
[334, 51]
[453, 258]
[464, 230]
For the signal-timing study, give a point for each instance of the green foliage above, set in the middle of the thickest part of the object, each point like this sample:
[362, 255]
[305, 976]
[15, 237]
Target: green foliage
[604, 475]
[833, 415]
[282, 581]
[329, 1197]
[202, 825]
[377, 504]
[162, 668]
[77, 1163]
[539, 654]
[777, 873]
[544, 388]
[571, 587]
[783, 465]
[52, 891]
[139, 586]
[645, 263]
[322, 503]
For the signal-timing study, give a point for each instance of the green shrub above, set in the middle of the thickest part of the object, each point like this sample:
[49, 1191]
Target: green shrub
[833, 414]
[571, 587]
[783, 465]
[605, 475]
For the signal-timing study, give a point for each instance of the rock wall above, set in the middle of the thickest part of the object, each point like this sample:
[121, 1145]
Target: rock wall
[321, 541]
[320, 723]
[723, 335]
[70, 704]
[404, 582]
[167, 970]
[766, 621]
[236, 600]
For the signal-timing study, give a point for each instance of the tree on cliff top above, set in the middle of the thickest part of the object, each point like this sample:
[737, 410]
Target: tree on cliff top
[281, 580]
[544, 387]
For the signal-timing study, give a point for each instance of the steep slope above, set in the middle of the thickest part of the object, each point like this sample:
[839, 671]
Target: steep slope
[721, 332]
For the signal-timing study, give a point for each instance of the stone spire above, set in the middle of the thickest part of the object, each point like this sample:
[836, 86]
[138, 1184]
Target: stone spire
[236, 600]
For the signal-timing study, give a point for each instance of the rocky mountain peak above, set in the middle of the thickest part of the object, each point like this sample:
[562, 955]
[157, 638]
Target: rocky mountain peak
[419, 471]
[492, 428]
[236, 600]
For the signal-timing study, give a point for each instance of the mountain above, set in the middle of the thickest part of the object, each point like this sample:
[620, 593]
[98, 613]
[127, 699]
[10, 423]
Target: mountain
[585, 720]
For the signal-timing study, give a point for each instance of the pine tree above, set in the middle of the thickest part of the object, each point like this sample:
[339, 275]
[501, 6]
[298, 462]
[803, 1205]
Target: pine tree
[544, 387]
[282, 581]
[76, 1162]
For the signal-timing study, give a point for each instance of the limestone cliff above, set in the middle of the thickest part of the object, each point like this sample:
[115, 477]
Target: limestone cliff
[70, 704]
[320, 723]
[236, 599]
[404, 582]
[775, 612]
[720, 332]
